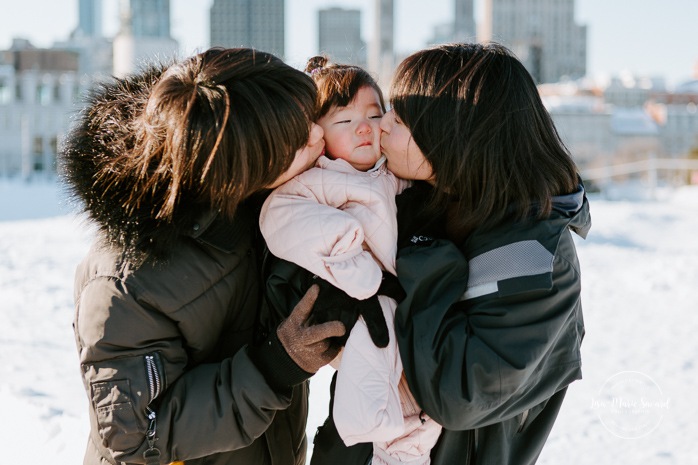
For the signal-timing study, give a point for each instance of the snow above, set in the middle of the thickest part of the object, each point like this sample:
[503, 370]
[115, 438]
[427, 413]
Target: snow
[635, 404]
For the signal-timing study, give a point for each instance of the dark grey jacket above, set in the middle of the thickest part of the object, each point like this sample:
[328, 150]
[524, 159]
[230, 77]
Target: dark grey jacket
[490, 334]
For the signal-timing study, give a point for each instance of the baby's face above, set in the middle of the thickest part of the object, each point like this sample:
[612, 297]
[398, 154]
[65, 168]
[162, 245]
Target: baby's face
[352, 133]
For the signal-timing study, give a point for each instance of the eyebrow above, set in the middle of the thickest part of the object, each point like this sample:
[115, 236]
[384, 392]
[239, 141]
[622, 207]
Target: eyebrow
[337, 109]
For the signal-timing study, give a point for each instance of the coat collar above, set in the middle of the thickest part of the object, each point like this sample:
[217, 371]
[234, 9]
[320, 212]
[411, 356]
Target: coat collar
[343, 166]
[214, 229]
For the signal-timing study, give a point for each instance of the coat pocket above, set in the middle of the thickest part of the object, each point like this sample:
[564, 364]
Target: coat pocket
[115, 414]
[122, 391]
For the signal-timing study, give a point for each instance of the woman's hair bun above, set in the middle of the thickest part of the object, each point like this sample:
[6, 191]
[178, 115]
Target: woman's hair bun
[316, 63]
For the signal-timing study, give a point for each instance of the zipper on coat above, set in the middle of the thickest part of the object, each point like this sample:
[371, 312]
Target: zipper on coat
[154, 383]
[471, 449]
[152, 454]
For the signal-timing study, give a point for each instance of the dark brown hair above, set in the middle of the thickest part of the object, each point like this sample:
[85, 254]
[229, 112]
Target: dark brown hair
[153, 151]
[217, 128]
[476, 115]
[338, 84]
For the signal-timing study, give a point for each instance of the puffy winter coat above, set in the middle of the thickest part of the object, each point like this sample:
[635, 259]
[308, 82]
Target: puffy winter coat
[165, 345]
[490, 333]
[321, 219]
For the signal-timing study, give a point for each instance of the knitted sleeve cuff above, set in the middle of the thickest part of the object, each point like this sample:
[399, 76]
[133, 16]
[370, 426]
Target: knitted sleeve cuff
[278, 368]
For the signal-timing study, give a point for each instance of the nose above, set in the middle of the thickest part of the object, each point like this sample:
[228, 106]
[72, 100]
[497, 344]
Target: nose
[316, 133]
[364, 127]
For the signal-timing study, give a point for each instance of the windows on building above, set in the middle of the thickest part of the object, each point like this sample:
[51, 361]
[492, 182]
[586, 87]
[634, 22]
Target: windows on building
[38, 153]
[5, 96]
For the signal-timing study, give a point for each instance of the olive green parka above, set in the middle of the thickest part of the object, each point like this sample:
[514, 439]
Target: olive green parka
[167, 314]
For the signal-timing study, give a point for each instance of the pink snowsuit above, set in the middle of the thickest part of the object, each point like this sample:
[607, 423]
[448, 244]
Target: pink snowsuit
[320, 220]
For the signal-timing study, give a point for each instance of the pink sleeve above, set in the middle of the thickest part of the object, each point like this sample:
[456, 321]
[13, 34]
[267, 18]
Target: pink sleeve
[304, 226]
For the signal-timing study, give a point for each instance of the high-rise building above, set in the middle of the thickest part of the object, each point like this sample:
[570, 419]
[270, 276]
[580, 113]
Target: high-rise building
[464, 21]
[94, 50]
[340, 36]
[542, 34]
[89, 18]
[248, 23]
[150, 18]
[382, 52]
[144, 35]
[441, 33]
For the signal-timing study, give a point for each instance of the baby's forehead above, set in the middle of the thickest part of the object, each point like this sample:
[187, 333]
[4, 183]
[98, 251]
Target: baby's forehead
[353, 105]
[357, 103]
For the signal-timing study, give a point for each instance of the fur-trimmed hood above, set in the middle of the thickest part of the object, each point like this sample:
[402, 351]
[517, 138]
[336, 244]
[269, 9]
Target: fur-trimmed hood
[105, 132]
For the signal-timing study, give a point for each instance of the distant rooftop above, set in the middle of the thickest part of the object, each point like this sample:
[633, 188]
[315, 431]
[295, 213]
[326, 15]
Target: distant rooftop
[574, 104]
[633, 122]
[688, 87]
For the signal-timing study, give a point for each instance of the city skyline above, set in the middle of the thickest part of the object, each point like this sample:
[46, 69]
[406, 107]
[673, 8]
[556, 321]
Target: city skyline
[644, 37]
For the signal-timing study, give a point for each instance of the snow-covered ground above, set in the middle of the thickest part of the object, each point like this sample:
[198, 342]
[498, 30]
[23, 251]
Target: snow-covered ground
[636, 404]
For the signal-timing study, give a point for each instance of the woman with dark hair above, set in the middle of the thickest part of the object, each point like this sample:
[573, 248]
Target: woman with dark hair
[491, 328]
[490, 145]
[181, 358]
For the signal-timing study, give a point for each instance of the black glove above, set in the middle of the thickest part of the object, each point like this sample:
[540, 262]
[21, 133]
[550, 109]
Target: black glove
[391, 287]
[335, 304]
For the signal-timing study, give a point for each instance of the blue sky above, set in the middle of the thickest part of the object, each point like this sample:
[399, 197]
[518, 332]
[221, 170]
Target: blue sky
[649, 37]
